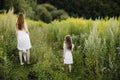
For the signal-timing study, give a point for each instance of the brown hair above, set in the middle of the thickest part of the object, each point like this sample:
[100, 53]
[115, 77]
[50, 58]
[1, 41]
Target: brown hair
[68, 41]
[20, 22]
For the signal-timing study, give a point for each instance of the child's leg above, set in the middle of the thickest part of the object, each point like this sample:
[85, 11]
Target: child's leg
[20, 57]
[24, 56]
[28, 56]
[70, 67]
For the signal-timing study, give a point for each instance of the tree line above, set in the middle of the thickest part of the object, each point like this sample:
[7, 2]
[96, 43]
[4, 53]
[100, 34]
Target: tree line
[45, 12]
[87, 8]
[48, 10]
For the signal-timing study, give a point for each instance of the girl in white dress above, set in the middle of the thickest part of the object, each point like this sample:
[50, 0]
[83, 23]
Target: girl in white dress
[67, 52]
[23, 40]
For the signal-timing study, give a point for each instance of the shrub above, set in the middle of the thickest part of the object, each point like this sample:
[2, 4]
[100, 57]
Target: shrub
[43, 14]
[59, 14]
[49, 7]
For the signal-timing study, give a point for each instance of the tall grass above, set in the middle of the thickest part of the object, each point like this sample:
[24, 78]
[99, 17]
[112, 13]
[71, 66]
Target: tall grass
[96, 54]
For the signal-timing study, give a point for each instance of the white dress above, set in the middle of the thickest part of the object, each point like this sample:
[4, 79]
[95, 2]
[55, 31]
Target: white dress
[23, 40]
[68, 58]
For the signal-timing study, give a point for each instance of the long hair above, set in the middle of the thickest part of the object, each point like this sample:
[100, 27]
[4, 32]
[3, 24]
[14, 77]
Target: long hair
[20, 22]
[68, 42]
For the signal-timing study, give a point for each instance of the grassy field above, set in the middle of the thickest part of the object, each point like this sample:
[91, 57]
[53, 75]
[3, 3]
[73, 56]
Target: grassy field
[96, 54]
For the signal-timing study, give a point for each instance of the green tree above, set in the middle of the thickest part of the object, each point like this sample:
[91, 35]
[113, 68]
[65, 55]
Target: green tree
[18, 5]
[87, 8]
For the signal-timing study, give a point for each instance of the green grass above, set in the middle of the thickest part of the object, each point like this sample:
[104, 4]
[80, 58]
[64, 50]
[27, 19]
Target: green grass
[96, 54]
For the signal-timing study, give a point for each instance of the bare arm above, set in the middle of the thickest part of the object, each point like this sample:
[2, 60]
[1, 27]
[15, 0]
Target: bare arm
[72, 47]
[26, 28]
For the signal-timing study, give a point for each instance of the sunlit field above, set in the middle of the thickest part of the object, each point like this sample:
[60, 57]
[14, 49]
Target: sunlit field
[96, 54]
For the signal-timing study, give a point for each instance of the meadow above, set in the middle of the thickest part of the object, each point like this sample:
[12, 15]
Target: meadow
[96, 54]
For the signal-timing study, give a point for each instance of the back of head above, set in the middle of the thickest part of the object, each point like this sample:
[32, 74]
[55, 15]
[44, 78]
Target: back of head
[20, 22]
[68, 41]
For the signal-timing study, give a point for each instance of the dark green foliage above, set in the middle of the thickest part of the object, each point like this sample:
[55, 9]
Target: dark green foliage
[44, 12]
[59, 15]
[47, 13]
[32, 75]
[87, 8]
[18, 5]
[49, 7]
[76, 8]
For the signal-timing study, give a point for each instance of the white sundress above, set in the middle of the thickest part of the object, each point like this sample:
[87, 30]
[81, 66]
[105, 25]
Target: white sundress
[23, 40]
[68, 58]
